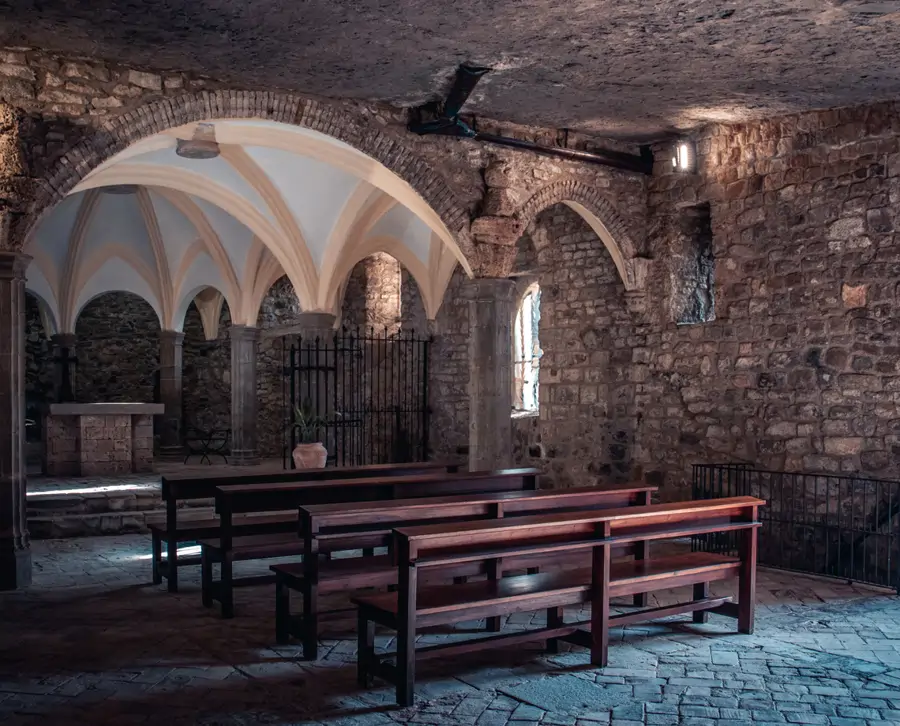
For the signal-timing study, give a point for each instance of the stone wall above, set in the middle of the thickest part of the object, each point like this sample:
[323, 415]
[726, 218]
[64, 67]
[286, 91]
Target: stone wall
[799, 370]
[280, 307]
[38, 366]
[206, 373]
[117, 346]
[586, 428]
[372, 295]
[448, 384]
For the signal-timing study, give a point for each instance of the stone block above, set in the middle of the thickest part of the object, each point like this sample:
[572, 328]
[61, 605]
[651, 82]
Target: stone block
[148, 81]
[844, 445]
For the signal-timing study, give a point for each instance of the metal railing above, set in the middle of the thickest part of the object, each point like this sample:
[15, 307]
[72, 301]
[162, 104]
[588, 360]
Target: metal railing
[836, 526]
[369, 388]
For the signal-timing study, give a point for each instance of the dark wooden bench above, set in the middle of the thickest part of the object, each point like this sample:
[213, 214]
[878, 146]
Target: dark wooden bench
[187, 487]
[328, 528]
[600, 534]
[228, 548]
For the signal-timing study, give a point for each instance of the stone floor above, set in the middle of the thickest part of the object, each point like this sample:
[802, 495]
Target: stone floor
[78, 506]
[93, 643]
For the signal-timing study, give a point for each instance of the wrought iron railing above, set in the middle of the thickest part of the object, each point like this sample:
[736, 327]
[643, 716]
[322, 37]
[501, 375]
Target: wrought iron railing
[371, 390]
[836, 526]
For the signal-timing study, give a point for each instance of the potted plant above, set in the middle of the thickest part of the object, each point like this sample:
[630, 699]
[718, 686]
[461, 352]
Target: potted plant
[309, 453]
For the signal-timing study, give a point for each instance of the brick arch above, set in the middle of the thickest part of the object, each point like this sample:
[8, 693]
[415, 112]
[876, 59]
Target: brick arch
[158, 116]
[571, 190]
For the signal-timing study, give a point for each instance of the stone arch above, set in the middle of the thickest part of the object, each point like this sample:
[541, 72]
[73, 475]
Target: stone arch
[598, 212]
[163, 114]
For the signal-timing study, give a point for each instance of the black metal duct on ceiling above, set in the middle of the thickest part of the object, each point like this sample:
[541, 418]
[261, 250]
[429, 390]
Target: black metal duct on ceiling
[446, 122]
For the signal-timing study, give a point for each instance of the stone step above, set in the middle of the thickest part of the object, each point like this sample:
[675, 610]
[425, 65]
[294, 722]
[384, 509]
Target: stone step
[91, 524]
[82, 508]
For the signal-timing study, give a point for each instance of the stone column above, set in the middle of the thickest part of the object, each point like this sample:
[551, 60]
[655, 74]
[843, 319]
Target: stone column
[170, 367]
[15, 552]
[490, 373]
[244, 354]
[63, 346]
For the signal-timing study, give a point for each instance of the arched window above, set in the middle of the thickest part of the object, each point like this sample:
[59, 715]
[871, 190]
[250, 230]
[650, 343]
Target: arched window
[527, 351]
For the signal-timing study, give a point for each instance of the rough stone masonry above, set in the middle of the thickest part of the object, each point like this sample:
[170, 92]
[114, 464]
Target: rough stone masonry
[762, 331]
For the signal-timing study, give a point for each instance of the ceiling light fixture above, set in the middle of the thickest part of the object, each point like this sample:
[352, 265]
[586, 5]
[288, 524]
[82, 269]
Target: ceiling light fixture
[201, 146]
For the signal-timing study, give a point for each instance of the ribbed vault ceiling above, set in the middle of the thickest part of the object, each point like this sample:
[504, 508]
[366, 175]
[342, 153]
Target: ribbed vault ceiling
[276, 200]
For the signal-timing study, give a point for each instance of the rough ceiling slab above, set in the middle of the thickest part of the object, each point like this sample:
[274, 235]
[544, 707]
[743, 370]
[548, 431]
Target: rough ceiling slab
[629, 69]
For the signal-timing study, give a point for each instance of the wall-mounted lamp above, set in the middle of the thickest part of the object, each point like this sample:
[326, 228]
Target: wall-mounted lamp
[685, 157]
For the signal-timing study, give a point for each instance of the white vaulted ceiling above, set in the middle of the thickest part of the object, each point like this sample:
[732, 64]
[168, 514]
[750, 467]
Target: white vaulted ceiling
[277, 200]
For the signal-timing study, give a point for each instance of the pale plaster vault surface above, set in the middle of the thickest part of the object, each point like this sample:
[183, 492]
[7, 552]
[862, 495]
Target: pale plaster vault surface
[277, 200]
[632, 69]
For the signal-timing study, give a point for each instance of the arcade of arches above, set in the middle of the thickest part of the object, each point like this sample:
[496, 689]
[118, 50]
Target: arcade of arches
[167, 228]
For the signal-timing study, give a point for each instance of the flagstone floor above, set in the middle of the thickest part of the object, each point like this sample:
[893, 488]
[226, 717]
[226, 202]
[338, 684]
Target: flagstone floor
[93, 643]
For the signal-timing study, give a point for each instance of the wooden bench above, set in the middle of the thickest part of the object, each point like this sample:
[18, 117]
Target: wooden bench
[600, 534]
[228, 548]
[187, 487]
[328, 528]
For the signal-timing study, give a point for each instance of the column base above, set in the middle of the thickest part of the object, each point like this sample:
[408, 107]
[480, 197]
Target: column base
[244, 457]
[172, 453]
[15, 569]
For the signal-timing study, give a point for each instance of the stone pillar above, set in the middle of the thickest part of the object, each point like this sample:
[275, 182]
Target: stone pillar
[170, 367]
[244, 354]
[63, 345]
[490, 373]
[15, 552]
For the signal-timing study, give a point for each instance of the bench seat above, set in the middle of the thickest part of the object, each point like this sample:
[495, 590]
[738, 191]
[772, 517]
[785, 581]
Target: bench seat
[255, 546]
[185, 527]
[445, 605]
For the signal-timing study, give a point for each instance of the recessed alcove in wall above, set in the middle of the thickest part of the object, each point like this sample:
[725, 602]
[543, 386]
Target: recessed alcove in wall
[692, 267]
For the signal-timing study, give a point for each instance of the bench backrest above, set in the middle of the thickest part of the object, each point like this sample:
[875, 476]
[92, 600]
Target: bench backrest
[281, 496]
[456, 542]
[482, 505]
[203, 486]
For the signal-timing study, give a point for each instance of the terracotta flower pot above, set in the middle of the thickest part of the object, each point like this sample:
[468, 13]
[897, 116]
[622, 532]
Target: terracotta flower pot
[310, 456]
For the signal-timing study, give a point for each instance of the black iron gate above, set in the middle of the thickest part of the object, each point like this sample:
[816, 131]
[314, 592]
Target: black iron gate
[837, 526]
[369, 389]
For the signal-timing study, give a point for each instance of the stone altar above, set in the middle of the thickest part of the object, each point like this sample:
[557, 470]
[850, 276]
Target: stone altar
[99, 439]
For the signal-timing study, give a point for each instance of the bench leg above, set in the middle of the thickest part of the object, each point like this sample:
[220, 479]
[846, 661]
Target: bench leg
[206, 578]
[406, 635]
[311, 622]
[495, 572]
[701, 592]
[172, 562]
[226, 586]
[554, 620]
[747, 582]
[368, 551]
[282, 611]
[460, 580]
[156, 557]
[365, 657]
[642, 552]
[600, 606]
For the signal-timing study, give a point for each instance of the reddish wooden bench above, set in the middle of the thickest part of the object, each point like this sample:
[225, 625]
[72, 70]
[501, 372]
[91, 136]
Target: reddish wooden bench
[329, 528]
[600, 534]
[228, 548]
[182, 487]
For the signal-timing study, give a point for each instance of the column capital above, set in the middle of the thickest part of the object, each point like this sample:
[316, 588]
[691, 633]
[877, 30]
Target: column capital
[13, 265]
[244, 332]
[171, 336]
[63, 340]
[491, 289]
